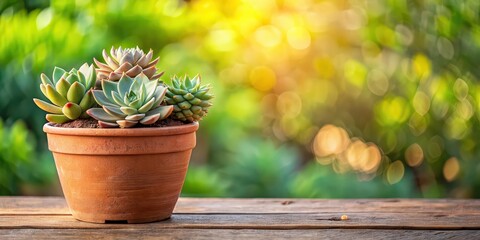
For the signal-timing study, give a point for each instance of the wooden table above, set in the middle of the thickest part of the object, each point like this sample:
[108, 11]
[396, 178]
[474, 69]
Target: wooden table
[213, 218]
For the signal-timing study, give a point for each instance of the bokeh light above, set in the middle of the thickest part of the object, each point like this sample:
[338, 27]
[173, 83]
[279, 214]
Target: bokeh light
[414, 155]
[451, 169]
[330, 140]
[395, 172]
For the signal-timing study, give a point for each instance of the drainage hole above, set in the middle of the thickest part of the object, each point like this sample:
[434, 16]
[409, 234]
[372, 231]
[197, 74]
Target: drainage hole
[116, 221]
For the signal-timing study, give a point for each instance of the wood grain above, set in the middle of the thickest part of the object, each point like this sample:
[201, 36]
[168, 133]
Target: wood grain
[57, 205]
[234, 234]
[207, 218]
[263, 221]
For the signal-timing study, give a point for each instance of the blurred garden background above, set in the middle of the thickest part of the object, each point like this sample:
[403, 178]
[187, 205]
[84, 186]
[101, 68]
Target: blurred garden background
[330, 99]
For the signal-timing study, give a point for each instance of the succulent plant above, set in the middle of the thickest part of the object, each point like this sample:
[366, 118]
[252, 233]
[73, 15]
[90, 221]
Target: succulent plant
[130, 101]
[190, 100]
[129, 61]
[70, 93]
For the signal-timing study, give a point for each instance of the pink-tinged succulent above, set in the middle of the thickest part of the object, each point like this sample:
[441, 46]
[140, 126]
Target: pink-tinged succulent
[129, 61]
[69, 93]
[130, 101]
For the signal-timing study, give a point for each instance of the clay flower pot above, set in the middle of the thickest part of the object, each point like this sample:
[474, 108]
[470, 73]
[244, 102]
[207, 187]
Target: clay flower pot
[121, 175]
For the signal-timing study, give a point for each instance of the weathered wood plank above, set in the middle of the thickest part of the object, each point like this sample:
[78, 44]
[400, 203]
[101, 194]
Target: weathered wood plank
[188, 205]
[57, 205]
[262, 221]
[33, 205]
[261, 214]
[234, 234]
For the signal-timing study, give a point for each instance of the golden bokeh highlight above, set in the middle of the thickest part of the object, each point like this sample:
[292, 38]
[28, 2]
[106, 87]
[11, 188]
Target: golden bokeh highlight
[414, 155]
[330, 140]
[363, 157]
[262, 78]
[298, 38]
[395, 172]
[421, 103]
[422, 66]
[221, 40]
[392, 111]
[355, 72]
[451, 169]
[289, 104]
[377, 82]
[268, 36]
[333, 145]
[460, 89]
[325, 68]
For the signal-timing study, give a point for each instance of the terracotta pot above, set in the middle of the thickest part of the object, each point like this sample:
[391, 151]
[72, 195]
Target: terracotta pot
[121, 175]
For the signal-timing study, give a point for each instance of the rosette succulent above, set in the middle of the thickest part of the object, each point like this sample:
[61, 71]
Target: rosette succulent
[70, 93]
[129, 61]
[190, 100]
[130, 101]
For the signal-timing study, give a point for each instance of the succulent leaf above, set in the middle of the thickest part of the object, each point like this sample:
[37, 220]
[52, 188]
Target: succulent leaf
[115, 111]
[109, 87]
[55, 97]
[195, 101]
[101, 115]
[57, 118]
[47, 107]
[124, 85]
[126, 123]
[147, 106]
[45, 79]
[103, 124]
[87, 101]
[184, 105]
[43, 89]
[72, 110]
[76, 92]
[136, 104]
[118, 99]
[188, 96]
[100, 98]
[62, 87]
[129, 110]
[164, 111]
[150, 119]
[135, 117]
[57, 74]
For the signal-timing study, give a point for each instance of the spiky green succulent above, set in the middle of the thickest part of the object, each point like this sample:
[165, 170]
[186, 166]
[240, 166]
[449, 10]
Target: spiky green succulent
[130, 101]
[129, 61]
[189, 98]
[70, 93]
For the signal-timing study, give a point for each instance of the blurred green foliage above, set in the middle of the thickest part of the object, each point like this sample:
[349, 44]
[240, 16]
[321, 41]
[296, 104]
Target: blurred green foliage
[15, 157]
[257, 168]
[353, 98]
[203, 182]
[19, 166]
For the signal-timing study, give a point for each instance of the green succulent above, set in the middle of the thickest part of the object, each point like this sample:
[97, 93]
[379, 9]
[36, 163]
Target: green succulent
[130, 101]
[69, 93]
[190, 100]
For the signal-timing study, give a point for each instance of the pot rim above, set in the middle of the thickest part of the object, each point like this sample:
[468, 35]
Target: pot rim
[153, 131]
